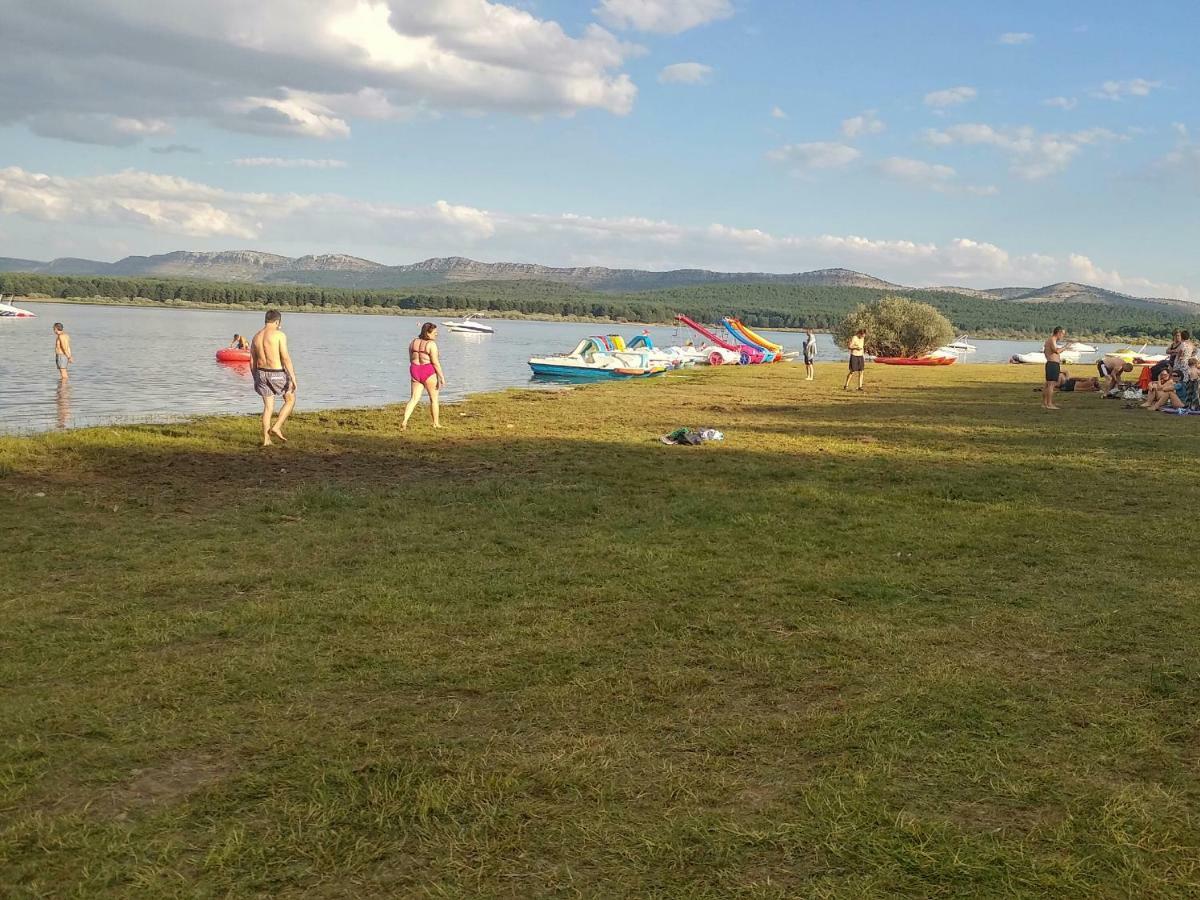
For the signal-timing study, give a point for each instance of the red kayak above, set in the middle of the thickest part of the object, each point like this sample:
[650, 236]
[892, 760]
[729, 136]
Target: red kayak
[916, 361]
[228, 354]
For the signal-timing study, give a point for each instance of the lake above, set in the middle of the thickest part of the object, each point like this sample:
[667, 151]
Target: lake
[141, 364]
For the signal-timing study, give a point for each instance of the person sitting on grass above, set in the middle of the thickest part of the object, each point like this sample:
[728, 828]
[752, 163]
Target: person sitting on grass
[1167, 391]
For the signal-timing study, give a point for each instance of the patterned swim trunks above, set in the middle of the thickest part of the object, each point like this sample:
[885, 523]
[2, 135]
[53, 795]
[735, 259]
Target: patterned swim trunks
[271, 382]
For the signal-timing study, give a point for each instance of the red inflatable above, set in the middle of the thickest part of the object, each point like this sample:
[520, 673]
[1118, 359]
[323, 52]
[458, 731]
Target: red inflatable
[228, 354]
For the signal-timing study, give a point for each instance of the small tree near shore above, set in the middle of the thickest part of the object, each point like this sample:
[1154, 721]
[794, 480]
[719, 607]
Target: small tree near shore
[896, 326]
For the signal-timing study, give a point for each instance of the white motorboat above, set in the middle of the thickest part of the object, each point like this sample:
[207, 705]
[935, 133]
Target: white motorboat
[959, 345]
[1080, 347]
[470, 325]
[8, 311]
[1039, 358]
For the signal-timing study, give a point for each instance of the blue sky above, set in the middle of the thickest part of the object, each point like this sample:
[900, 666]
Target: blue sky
[924, 142]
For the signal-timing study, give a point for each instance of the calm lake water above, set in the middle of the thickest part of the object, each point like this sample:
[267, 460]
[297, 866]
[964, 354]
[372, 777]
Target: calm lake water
[156, 365]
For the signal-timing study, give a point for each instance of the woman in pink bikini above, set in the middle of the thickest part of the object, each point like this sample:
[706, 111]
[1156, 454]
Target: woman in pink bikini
[425, 370]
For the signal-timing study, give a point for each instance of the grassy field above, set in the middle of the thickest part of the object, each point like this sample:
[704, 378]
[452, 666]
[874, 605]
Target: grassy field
[926, 641]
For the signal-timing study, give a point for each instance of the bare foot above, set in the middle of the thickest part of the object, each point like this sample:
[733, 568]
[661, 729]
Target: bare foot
[267, 442]
[1050, 407]
[437, 426]
[278, 434]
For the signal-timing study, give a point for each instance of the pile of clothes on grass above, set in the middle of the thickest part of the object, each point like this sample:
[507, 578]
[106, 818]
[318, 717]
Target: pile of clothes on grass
[691, 437]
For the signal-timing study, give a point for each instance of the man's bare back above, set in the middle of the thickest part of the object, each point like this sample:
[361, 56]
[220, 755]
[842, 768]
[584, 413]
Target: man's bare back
[265, 348]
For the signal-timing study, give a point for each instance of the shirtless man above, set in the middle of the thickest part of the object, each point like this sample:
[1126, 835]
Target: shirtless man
[1113, 368]
[1053, 366]
[62, 352]
[273, 374]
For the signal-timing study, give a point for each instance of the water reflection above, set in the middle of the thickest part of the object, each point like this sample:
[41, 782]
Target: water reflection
[62, 402]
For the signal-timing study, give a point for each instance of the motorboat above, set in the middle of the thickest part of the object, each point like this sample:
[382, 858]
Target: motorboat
[960, 345]
[596, 357]
[676, 357]
[8, 311]
[470, 325]
[1080, 347]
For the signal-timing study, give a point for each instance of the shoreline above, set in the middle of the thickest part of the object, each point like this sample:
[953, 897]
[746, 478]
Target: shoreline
[509, 315]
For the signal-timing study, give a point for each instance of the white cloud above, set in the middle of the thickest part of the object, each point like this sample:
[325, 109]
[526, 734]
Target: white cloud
[863, 124]
[276, 162]
[1015, 37]
[295, 67]
[662, 16]
[802, 158]
[1116, 90]
[932, 176]
[777, 113]
[154, 205]
[1034, 154]
[954, 96]
[685, 73]
[1065, 103]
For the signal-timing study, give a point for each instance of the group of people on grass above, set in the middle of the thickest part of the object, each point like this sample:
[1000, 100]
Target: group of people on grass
[1173, 382]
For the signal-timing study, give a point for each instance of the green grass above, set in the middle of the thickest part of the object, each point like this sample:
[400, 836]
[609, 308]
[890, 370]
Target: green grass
[926, 641]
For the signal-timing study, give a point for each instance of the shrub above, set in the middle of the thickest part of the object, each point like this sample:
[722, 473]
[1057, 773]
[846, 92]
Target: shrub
[896, 326]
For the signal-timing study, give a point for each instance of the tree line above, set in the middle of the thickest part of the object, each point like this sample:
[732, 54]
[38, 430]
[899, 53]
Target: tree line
[758, 305]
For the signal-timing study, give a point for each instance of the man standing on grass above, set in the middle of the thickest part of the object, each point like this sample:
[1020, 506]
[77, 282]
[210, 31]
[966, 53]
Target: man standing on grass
[1053, 352]
[271, 366]
[810, 353]
[62, 352]
[858, 360]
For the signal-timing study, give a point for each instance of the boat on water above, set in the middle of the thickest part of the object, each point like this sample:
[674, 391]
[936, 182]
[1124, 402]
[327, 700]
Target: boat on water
[596, 357]
[233, 355]
[1138, 357]
[8, 311]
[470, 325]
[959, 345]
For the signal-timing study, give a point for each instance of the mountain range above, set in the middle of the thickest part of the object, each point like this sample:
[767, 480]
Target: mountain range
[336, 270]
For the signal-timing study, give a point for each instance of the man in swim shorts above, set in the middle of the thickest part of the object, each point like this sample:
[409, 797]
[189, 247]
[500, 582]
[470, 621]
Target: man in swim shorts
[1052, 351]
[271, 368]
[1112, 369]
[62, 352]
[858, 359]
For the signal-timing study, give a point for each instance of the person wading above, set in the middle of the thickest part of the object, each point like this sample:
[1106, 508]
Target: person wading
[62, 352]
[271, 367]
[1053, 353]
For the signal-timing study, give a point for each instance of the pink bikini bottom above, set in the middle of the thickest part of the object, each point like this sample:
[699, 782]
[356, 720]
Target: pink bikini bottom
[421, 372]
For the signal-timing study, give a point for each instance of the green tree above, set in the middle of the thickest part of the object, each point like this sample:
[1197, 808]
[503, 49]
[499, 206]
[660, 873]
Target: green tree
[896, 326]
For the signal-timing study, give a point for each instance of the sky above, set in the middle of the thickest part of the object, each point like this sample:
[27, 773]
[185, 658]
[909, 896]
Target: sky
[928, 143]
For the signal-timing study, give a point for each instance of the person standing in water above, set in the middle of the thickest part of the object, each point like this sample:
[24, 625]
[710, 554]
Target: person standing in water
[858, 359]
[62, 352]
[1053, 352]
[810, 353]
[425, 373]
[271, 368]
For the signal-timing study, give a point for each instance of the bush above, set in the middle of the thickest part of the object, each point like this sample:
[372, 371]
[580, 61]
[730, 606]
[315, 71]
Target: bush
[896, 326]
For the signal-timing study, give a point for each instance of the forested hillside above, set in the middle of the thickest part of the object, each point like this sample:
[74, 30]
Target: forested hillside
[759, 305]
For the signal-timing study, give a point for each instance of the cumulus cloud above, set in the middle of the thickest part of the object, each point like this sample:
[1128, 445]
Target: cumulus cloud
[955, 96]
[1034, 154]
[1118, 90]
[1064, 103]
[155, 205]
[804, 158]
[114, 71]
[276, 162]
[863, 124]
[662, 16]
[685, 73]
[1013, 38]
[932, 176]
[777, 113]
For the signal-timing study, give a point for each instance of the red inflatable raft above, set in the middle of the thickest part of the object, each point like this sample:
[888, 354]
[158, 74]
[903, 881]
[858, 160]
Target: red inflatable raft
[917, 361]
[228, 354]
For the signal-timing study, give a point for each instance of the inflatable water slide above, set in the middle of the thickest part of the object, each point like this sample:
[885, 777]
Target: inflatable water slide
[748, 353]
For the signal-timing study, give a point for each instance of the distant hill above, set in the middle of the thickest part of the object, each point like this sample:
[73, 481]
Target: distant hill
[344, 272]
